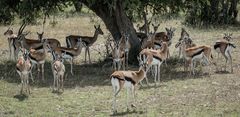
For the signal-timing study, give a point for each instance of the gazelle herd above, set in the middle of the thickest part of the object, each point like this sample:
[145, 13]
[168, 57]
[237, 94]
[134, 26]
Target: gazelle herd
[155, 51]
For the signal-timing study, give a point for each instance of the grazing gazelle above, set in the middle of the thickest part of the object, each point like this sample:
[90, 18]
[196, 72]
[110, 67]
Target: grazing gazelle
[69, 53]
[58, 73]
[197, 53]
[71, 41]
[53, 43]
[38, 57]
[127, 79]
[23, 68]
[225, 48]
[154, 58]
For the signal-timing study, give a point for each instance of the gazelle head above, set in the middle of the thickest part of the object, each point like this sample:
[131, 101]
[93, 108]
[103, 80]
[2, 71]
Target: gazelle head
[98, 29]
[184, 40]
[155, 27]
[8, 32]
[40, 35]
[170, 32]
[227, 36]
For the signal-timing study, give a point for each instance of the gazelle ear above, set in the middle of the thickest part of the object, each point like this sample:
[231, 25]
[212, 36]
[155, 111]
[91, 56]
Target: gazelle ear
[95, 27]
[99, 26]
[167, 29]
[230, 34]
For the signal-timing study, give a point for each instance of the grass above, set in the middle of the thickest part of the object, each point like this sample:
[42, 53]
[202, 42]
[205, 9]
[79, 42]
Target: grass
[89, 92]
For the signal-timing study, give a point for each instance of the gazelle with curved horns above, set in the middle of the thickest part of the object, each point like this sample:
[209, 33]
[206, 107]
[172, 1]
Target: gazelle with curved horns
[28, 43]
[69, 53]
[129, 80]
[198, 53]
[225, 47]
[71, 40]
[23, 68]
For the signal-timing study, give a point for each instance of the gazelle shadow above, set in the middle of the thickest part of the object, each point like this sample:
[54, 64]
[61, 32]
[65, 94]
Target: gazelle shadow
[21, 97]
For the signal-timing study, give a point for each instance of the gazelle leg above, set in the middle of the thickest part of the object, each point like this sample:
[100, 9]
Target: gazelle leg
[71, 64]
[230, 58]
[58, 81]
[116, 90]
[128, 88]
[38, 70]
[42, 69]
[22, 83]
[54, 81]
[156, 74]
[226, 58]
[133, 96]
[89, 58]
[159, 71]
[217, 62]
[86, 49]
[28, 86]
[62, 82]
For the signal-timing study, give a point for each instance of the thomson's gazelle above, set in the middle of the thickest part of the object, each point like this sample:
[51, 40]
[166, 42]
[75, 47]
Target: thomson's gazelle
[23, 68]
[58, 73]
[225, 48]
[154, 58]
[127, 79]
[194, 54]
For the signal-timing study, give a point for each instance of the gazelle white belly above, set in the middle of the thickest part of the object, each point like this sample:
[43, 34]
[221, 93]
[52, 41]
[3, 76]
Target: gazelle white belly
[115, 83]
[155, 61]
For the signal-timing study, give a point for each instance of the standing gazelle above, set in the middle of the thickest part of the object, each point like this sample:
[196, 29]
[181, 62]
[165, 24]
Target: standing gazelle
[53, 43]
[38, 57]
[125, 47]
[71, 40]
[118, 56]
[14, 45]
[198, 53]
[154, 58]
[225, 47]
[23, 68]
[127, 79]
[58, 73]
[69, 53]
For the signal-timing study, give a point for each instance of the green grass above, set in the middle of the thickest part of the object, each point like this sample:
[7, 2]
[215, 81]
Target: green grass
[89, 92]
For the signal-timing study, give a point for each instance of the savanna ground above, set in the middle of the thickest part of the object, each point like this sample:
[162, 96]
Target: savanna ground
[89, 92]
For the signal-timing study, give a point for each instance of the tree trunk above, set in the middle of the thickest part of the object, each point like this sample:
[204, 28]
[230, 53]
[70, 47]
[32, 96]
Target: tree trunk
[117, 21]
